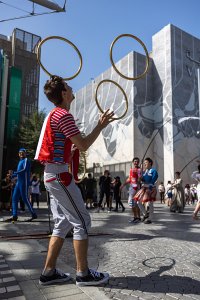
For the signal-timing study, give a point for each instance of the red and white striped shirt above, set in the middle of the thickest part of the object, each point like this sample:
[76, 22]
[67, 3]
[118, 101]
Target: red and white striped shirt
[63, 122]
[54, 144]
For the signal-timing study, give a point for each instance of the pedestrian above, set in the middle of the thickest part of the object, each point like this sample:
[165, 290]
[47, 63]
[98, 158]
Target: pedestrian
[58, 133]
[134, 182]
[196, 176]
[89, 183]
[35, 191]
[105, 189]
[6, 192]
[169, 193]
[22, 186]
[187, 194]
[161, 190]
[117, 193]
[147, 194]
[178, 202]
[193, 193]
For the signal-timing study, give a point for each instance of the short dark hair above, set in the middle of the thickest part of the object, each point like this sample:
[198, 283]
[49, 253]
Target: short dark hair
[149, 160]
[135, 158]
[107, 171]
[53, 89]
[178, 173]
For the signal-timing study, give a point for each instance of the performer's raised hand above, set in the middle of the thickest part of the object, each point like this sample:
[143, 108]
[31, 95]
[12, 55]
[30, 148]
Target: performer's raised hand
[106, 118]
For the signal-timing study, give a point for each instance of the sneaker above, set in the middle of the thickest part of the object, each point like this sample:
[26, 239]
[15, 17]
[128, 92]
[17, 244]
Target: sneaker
[131, 220]
[147, 221]
[145, 217]
[57, 277]
[135, 220]
[34, 216]
[123, 209]
[93, 278]
[12, 219]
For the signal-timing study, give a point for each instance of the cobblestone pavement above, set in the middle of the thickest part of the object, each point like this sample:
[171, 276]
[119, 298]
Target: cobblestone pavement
[145, 261]
[155, 261]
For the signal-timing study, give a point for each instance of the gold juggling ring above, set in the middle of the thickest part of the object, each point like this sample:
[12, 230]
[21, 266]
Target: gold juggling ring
[125, 96]
[38, 52]
[146, 52]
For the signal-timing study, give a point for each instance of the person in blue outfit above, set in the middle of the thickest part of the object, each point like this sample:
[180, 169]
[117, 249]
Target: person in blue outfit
[146, 196]
[21, 188]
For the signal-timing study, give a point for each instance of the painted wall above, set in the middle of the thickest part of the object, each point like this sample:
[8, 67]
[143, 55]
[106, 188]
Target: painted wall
[157, 105]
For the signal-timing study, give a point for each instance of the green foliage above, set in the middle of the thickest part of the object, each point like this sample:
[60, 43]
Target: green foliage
[28, 136]
[29, 132]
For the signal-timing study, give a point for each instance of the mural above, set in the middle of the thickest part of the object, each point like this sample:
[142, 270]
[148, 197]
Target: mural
[164, 103]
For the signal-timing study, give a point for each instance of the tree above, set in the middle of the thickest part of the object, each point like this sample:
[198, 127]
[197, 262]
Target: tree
[29, 133]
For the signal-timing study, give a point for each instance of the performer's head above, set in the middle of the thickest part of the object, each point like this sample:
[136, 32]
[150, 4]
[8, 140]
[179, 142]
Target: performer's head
[177, 174]
[136, 161]
[58, 92]
[148, 162]
[22, 152]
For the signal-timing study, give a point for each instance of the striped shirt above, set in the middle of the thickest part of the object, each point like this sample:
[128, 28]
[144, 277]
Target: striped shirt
[63, 122]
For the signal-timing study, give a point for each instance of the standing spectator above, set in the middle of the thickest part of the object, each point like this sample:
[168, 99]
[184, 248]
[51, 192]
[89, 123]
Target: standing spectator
[6, 192]
[187, 194]
[161, 190]
[178, 202]
[147, 194]
[169, 193]
[133, 181]
[35, 191]
[117, 193]
[193, 193]
[22, 186]
[105, 188]
[58, 133]
[89, 190]
[196, 177]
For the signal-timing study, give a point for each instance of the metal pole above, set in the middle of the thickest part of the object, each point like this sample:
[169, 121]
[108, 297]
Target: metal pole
[3, 109]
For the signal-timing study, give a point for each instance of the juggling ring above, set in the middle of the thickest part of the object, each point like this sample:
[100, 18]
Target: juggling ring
[38, 52]
[146, 52]
[84, 172]
[125, 96]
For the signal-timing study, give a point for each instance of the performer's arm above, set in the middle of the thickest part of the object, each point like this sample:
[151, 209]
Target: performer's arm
[125, 183]
[25, 167]
[153, 178]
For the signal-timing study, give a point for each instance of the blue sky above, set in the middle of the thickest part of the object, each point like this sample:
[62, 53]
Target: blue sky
[92, 26]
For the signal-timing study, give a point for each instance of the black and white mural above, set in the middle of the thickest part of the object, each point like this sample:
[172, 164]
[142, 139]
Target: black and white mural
[163, 106]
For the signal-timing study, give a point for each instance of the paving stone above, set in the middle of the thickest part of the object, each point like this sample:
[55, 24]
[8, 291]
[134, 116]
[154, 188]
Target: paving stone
[8, 279]
[2, 290]
[13, 288]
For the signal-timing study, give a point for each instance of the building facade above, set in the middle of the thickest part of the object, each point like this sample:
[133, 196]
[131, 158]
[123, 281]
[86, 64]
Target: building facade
[19, 88]
[162, 121]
